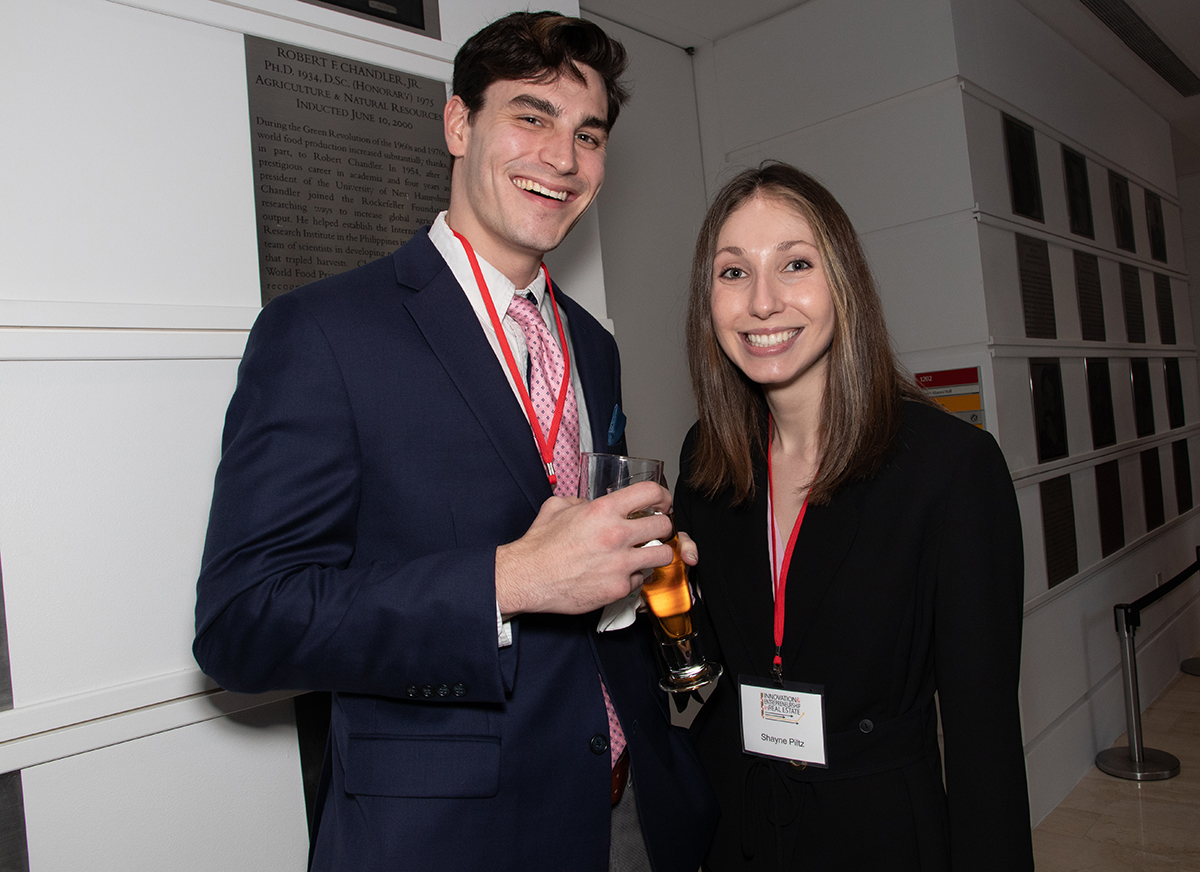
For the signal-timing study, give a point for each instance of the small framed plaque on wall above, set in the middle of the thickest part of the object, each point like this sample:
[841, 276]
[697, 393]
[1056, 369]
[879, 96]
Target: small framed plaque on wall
[418, 16]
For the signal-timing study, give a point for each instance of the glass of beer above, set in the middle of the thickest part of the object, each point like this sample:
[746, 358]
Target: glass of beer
[667, 593]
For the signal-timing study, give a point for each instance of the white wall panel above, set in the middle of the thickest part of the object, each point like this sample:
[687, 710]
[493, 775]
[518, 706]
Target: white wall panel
[1141, 233]
[224, 794]
[1014, 401]
[1002, 283]
[1102, 216]
[989, 164]
[125, 169]
[1130, 469]
[1079, 422]
[1173, 222]
[1067, 322]
[825, 58]
[930, 283]
[1191, 389]
[1110, 292]
[1087, 516]
[890, 163]
[1181, 301]
[649, 214]
[1030, 503]
[1053, 183]
[1121, 378]
[106, 478]
[1005, 49]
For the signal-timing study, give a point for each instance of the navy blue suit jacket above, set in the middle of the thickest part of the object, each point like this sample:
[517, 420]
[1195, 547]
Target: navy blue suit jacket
[374, 456]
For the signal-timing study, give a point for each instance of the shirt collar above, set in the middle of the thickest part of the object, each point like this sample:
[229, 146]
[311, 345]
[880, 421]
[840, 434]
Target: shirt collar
[500, 288]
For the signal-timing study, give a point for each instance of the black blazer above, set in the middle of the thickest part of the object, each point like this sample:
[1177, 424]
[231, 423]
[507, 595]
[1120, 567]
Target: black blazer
[906, 584]
[374, 456]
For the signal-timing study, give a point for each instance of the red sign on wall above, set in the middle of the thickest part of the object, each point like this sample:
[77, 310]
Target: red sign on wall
[957, 390]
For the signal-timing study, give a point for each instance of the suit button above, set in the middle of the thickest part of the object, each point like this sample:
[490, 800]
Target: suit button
[443, 690]
[427, 690]
[599, 744]
[411, 690]
[865, 725]
[460, 690]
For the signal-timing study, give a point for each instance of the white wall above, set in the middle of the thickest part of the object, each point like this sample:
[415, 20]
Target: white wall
[650, 212]
[1005, 50]
[128, 280]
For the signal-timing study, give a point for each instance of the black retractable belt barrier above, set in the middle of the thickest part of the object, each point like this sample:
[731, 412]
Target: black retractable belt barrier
[1137, 762]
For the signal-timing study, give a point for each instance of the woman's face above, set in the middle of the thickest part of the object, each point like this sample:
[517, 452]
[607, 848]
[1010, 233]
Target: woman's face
[771, 306]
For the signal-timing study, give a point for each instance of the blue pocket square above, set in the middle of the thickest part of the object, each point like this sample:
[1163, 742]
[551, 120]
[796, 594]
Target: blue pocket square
[616, 426]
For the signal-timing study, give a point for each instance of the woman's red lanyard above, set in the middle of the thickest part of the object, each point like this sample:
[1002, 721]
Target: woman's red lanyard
[545, 444]
[780, 580]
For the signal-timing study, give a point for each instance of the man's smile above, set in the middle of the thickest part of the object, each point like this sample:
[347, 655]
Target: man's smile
[534, 188]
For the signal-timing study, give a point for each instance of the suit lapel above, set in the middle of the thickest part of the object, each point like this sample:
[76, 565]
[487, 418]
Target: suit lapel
[446, 320]
[824, 541]
[746, 599]
[595, 369]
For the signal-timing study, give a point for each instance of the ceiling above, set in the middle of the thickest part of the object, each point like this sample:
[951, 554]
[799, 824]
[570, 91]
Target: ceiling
[1177, 22]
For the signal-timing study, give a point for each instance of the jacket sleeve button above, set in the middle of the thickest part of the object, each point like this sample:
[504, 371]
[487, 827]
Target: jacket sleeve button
[426, 690]
[865, 725]
[460, 689]
[411, 690]
[443, 690]
[599, 743]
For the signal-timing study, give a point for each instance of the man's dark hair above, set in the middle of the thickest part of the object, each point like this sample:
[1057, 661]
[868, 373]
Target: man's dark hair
[538, 47]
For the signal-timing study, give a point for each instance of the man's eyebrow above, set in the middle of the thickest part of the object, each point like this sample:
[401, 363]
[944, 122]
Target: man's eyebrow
[595, 123]
[538, 104]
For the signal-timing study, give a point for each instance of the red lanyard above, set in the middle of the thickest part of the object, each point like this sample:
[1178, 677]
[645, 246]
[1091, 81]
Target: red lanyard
[545, 445]
[781, 579]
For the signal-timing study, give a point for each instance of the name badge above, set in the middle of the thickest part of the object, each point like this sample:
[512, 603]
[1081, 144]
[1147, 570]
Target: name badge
[786, 723]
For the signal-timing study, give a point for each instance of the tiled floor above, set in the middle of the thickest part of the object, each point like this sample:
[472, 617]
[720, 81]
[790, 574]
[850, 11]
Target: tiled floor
[1109, 824]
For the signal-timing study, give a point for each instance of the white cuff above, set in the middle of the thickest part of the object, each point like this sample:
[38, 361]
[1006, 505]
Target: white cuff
[621, 614]
[503, 630]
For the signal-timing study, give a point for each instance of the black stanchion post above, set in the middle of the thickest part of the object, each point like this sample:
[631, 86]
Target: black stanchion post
[1136, 762]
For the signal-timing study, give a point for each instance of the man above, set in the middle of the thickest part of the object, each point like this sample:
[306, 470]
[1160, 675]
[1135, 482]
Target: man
[383, 524]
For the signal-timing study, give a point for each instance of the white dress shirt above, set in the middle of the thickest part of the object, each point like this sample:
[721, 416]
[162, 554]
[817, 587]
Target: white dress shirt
[502, 291]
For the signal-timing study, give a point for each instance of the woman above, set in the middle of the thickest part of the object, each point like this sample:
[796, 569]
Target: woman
[904, 577]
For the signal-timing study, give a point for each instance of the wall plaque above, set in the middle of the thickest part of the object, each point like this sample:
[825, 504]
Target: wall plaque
[1049, 408]
[1110, 507]
[349, 160]
[1100, 402]
[957, 391]
[1037, 288]
[1058, 529]
[1183, 475]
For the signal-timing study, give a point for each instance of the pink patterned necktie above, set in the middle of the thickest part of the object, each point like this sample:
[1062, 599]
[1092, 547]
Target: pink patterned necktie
[545, 377]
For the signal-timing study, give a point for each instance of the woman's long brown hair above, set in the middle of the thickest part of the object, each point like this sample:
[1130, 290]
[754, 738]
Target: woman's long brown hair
[861, 412]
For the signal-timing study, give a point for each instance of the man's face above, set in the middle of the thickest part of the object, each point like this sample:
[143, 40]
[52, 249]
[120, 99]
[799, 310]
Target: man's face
[530, 162]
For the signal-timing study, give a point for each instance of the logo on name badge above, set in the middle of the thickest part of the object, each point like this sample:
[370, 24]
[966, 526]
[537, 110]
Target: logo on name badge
[780, 707]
